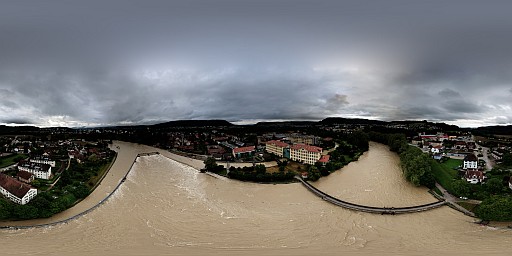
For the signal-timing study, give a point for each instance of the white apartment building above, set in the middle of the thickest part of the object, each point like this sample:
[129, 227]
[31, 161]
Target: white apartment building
[276, 147]
[305, 153]
[41, 171]
[43, 160]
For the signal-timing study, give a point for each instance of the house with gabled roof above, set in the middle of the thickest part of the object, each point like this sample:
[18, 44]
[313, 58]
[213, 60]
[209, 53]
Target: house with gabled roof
[16, 191]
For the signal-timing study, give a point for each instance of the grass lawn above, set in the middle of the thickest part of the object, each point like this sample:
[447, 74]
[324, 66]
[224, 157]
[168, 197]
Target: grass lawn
[10, 160]
[468, 206]
[291, 167]
[444, 173]
[452, 163]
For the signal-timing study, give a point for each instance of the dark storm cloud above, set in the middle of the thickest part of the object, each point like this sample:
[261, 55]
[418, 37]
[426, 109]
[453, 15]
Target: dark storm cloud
[123, 62]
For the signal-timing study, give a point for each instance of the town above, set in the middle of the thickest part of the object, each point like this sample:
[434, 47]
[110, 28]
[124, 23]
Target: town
[54, 168]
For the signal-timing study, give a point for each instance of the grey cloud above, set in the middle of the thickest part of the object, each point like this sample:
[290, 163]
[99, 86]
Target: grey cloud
[110, 62]
[448, 93]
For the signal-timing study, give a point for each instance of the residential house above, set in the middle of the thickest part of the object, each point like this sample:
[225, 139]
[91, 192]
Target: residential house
[305, 153]
[437, 156]
[470, 162]
[25, 176]
[436, 149]
[474, 176]
[324, 159]
[15, 190]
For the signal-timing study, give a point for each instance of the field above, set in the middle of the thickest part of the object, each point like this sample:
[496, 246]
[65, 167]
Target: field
[444, 172]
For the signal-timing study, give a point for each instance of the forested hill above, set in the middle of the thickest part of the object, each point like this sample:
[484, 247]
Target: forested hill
[499, 129]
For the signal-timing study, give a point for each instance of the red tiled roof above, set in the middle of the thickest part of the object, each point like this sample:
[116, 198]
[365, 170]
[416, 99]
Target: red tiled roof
[278, 143]
[471, 157]
[306, 147]
[471, 173]
[24, 175]
[14, 186]
[324, 159]
[243, 149]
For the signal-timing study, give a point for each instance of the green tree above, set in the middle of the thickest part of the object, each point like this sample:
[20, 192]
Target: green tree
[494, 186]
[497, 208]
[210, 163]
[461, 188]
[507, 159]
[260, 169]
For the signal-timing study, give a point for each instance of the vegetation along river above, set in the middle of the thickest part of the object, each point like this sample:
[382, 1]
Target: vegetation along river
[166, 207]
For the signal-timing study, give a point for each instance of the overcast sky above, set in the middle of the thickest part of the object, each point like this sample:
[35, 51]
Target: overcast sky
[76, 63]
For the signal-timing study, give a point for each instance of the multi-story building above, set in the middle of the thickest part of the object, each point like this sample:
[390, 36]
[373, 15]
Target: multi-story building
[303, 139]
[470, 162]
[15, 190]
[40, 171]
[42, 160]
[276, 147]
[244, 151]
[305, 153]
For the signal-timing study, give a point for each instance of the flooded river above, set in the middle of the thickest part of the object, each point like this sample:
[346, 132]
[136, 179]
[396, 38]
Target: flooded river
[168, 208]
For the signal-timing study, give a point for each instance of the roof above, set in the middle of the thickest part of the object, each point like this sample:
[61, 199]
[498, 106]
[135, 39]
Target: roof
[307, 147]
[479, 174]
[278, 143]
[471, 157]
[14, 186]
[243, 149]
[24, 175]
[324, 159]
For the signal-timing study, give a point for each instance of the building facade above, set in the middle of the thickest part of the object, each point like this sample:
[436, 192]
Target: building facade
[244, 151]
[470, 162]
[40, 171]
[42, 160]
[15, 190]
[305, 153]
[276, 147]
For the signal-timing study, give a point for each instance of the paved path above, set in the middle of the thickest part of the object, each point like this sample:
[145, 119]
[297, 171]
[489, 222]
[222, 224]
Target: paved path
[452, 201]
[370, 209]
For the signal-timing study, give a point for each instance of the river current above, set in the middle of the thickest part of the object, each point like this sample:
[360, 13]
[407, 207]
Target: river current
[168, 208]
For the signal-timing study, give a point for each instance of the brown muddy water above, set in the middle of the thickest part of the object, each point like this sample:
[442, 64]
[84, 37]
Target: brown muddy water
[168, 208]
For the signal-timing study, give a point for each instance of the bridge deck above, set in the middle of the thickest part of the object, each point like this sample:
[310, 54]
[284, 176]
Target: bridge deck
[370, 209]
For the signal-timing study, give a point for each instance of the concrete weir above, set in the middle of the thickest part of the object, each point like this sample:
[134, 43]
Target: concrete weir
[370, 209]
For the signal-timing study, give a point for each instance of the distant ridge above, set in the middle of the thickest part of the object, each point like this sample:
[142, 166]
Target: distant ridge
[497, 129]
[194, 123]
[341, 120]
[286, 123]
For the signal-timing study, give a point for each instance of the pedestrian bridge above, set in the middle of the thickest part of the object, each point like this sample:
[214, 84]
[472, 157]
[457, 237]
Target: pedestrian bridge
[370, 209]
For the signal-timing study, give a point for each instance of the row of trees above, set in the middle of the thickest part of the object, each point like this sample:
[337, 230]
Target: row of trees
[259, 174]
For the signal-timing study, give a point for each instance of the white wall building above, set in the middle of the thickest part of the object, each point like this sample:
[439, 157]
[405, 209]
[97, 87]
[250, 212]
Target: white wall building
[305, 153]
[276, 147]
[470, 162]
[41, 171]
[43, 160]
[15, 190]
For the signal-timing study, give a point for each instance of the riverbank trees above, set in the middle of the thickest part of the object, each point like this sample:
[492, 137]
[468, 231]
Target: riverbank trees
[416, 166]
[498, 208]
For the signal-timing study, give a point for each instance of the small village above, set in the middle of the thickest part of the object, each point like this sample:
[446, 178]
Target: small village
[468, 166]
